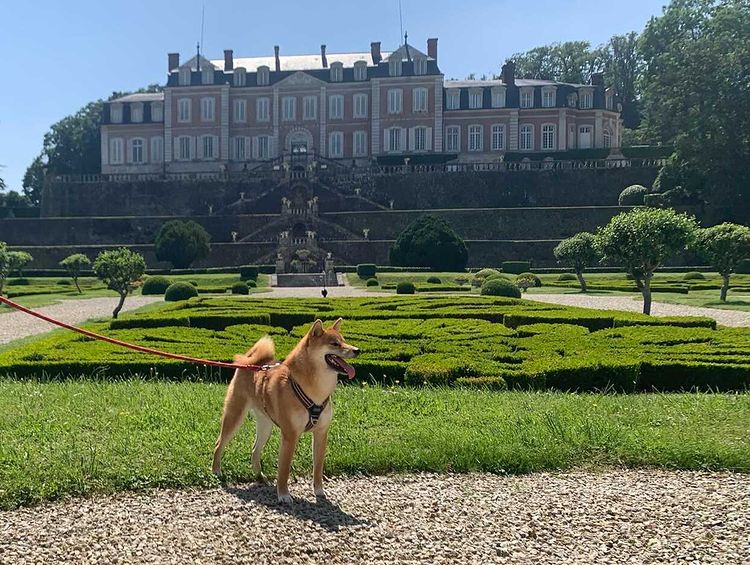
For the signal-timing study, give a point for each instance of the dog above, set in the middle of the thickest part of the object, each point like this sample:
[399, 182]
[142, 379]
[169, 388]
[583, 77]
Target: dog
[293, 395]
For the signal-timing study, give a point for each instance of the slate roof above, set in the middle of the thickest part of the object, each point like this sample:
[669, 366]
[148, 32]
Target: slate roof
[141, 97]
[498, 82]
[299, 62]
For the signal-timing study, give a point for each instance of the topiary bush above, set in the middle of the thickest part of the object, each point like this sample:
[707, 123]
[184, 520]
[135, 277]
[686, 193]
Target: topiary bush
[537, 281]
[180, 291]
[406, 287]
[524, 281]
[566, 277]
[372, 282]
[434, 280]
[64, 282]
[194, 283]
[430, 242]
[252, 284]
[497, 276]
[693, 276]
[500, 287]
[182, 242]
[240, 288]
[516, 267]
[248, 272]
[633, 195]
[484, 273]
[366, 270]
[155, 286]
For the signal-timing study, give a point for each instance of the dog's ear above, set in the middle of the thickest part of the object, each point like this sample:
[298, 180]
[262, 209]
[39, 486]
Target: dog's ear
[337, 324]
[317, 329]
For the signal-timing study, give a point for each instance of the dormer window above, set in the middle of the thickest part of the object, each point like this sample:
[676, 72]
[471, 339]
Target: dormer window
[498, 97]
[453, 101]
[585, 100]
[609, 101]
[240, 76]
[476, 98]
[337, 72]
[394, 68]
[185, 76]
[207, 76]
[157, 112]
[527, 98]
[264, 76]
[572, 100]
[360, 70]
[136, 112]
[420, 66]
[548, 97]
[115, 113]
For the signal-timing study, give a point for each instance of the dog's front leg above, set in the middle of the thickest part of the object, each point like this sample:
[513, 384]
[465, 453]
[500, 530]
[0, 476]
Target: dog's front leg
[320, 441]
[286, 453]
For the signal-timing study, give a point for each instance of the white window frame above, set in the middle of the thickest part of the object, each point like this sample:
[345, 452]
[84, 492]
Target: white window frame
[263, 77]
[157, 112]
[310, 108]
[607, 138]
[337, 71]
[157, 149]
[359, 144]
[240, 111]
[289, 108]
[208, 109]
[394, 134]
[585, 99]
[526, 98]
[240, 76]
[185, 76]
[115, 113]
[116, 146]
[239, 147]
[184, 110]
[336, 145]
[549, 137]
[476, 138]
[476, 98]
[498, 137]
[207, 75]
[420, 66]
[525, 144]
[184, 142]
[395, 101]
[137, 151]
[549, 97]
[498, 97]
[263, 109]
[420, 98]
[421, 143]
[360, 70]
[395, 68]
[262, 147]
[360, 109]
[453, 100]
[209, 147]
[136, 112]
[449, 146]
[336, 107]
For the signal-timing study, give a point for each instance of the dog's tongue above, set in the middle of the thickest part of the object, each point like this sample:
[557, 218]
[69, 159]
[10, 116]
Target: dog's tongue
[350, 371]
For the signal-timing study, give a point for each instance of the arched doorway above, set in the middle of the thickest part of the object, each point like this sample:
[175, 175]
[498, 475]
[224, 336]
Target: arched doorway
[299, 142]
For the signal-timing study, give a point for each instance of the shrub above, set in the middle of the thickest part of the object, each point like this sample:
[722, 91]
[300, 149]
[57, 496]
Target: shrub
[532, 277]
[484, 273]
[405, 287]
[18, 260]
[181, 242]
[434, 280]
[516, 267]
[74, 265]
[633, 195]
[500, 287]
[693, 276]
[194, 283]
[64, 282]
[724, 246]
[497, 276]
[240, 288]
[372, 282]
[366, 270]
[252, 284]
[525, 281]
[430, 242]
[180, 291]
[120, 269]
[155, 286]
[4, 264]
[566, 277]
[578, 252]
[19, 282]
[249, 272]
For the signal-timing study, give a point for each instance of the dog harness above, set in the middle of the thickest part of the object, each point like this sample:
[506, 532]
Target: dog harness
[314, 411]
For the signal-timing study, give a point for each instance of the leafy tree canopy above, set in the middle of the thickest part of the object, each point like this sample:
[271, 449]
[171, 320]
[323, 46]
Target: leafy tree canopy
[724, 246]
[17, 260]
[430, 242]
[74, 265]
[120, 269]
[182, 242]
[578, 252]
[4, 264]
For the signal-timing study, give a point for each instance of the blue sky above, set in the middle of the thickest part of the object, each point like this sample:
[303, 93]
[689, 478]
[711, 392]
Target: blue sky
[59, 55]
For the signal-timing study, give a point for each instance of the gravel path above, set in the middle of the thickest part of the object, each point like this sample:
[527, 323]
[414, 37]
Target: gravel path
[630, 304]
[15, 325]
[617, 516]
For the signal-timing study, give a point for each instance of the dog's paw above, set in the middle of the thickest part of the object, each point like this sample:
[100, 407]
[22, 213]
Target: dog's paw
[320, 493]
[285, 499]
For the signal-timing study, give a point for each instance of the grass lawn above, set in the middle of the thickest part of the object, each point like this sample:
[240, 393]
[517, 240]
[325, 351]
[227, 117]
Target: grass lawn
[80, 437]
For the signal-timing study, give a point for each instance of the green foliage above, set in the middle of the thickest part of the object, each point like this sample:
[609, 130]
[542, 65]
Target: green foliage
[693, 275]
[181, 242]
[724, 246]
[516, 267]
[430, 242]
[405, 287]
[155, 286]
[500, 287]
[74, 265]
[577, 251]
[434, 280]
[372, 282]
[18, 260]
[181, 291]
[4, 264]
[484, 273]
[120, 269]
[249, 272]
[240, 288]
[366, 270]
[251, 283]
[525, 281]
[566, 277]
[633, 195]
[743, 267]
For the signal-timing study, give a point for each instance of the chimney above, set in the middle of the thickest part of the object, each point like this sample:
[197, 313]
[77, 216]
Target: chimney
[173, 61]
[597, 79]
[278, 61]
[432, 45]
[375, 51]
[228, 60]
[509, 73]
[323, 56]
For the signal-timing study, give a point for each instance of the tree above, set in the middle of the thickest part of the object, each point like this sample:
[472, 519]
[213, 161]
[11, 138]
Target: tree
[13, 199]
[622, 68]
[578, 252]
[724, 246]
[74, 265]
[33, 180]
[17, 260]
[430, 241]
[572, 61]
[642, 240]
[182, 242]
[4, 264]
[120, 269]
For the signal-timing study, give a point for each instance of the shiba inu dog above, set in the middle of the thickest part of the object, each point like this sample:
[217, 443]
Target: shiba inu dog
[294, 395]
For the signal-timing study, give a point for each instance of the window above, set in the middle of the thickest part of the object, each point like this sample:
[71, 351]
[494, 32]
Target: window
[476, 98]
[207, 76]
[609, 102]
[394, 139]
[420, 66]
[183, 146]
[360, 70]
[183, 110]
[157, 112]
[336, 107]
[395, 100]
[157, 149]
[115, 151]
[310, 108]
[288, 108]
[549, 137]
[337, 72]
[136, 151]
[394, 68]
[263, 147]
[336, 145]
[263, 110]
[239, 148]
[549, 98]
[360, 105]
[240, 76]
[264, 76]
[526, 137]
[607, 138]
[419, 100]
[585, 100]
[420, 139]
[115, 113]
[210, 146]
[498, 97]
[584, 137]
[136, 113]
[527, 98]
[208, 109]
[185, 75]
[475, 138]
[498, 137]
[453, 139]
[454, 100]
[360, 144]
[240, 111]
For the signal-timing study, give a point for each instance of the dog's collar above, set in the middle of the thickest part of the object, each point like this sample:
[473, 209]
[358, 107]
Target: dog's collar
[314, 411]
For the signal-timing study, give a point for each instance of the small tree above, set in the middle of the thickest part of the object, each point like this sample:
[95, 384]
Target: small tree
[4, 264]
[642, 240]
[430, 242]
[120, 269]
[74, 265]
[181, 243]
[18, 260]
[578, 252]
[724, 246]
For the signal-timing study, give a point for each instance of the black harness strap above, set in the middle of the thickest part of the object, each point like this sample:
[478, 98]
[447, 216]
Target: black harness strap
[314, 411]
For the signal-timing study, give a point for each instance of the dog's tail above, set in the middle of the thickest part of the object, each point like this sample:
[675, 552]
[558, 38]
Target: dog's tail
[264, 351]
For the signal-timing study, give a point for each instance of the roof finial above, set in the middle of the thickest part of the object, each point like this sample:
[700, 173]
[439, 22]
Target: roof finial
[198, 56]
[406, 38]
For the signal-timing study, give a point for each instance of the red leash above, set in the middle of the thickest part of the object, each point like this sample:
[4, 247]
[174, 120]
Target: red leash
[127, 345]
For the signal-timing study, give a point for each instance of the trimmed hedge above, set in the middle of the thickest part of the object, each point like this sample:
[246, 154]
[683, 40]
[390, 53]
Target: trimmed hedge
[516, 267]
[155, 285]
[372, 282]
[500, 287]
[693, 275]
[240, 288]
[366, 270]
[180, 291]
[434, 280]
[249, 272]
[405, 287]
